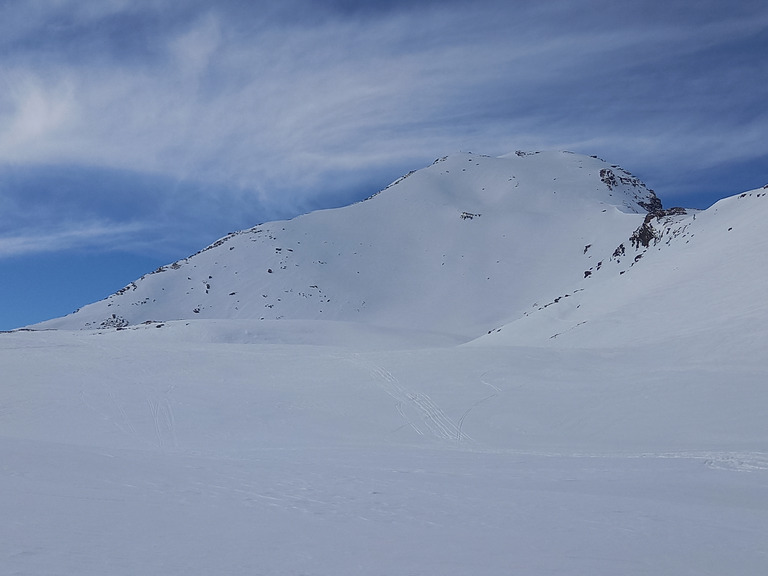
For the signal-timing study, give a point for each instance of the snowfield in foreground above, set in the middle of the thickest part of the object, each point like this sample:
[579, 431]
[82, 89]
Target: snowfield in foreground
[202, 448]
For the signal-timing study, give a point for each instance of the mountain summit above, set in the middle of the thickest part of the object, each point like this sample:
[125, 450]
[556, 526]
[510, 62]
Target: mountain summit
[457, 247]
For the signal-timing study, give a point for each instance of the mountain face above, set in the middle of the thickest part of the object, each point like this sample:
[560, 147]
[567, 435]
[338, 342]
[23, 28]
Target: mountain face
[681, 277]
[459, 247]
[549, 248]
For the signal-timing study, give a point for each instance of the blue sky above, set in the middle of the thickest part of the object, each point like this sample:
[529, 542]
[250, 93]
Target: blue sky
[135, 132]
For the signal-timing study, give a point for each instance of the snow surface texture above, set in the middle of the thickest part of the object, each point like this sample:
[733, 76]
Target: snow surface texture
[496, 366]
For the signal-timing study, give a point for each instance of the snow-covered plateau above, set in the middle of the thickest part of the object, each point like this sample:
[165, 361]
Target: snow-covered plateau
[515, 365]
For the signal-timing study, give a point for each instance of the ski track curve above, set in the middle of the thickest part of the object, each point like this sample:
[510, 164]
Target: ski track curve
[428, 412]
[419, 411]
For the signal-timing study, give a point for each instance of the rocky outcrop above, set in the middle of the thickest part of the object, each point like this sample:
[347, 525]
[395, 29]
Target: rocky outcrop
[646, 233]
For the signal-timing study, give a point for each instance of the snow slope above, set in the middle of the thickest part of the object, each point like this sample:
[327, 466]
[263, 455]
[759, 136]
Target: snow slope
[560, 385]
[701, 274]
[455, 247]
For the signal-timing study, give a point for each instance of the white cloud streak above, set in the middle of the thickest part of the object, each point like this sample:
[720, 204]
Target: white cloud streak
[285, 105]
[273, 106]
[108, 236]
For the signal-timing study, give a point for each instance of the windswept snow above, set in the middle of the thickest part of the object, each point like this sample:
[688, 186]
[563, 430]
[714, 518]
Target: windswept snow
[510, 365]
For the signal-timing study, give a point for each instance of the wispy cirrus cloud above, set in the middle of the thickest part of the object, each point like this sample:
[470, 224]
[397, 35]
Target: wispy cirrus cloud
[268, 110]
[108, 235]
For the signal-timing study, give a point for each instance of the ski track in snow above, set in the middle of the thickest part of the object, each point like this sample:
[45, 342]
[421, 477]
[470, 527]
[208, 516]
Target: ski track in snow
[727, 461]
[425, 413]
[104, 402]
[126, 422]
[163, 420]
[109, 409]
[460, 434]
[734, 461]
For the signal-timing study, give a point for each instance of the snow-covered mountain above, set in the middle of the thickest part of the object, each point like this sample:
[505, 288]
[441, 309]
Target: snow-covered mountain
[494, 366]
[459, 247]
